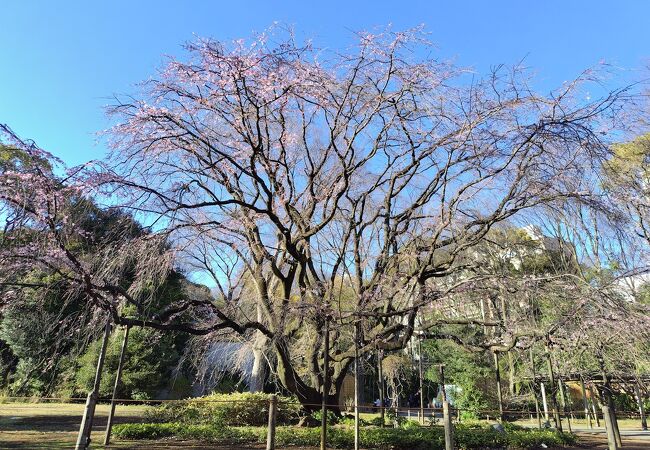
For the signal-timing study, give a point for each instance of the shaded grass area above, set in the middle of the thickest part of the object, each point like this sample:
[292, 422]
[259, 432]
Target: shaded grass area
[55, 425]
[61, 417]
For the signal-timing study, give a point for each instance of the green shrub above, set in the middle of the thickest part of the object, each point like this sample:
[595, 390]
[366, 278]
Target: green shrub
[413, 438]
[395, 418]
[411, 425]
[146, 430]
[332, 418]
[377, 422]
[239, 408]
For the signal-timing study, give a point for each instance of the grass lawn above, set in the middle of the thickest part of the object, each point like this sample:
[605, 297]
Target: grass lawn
[623, 424]
[55, 425]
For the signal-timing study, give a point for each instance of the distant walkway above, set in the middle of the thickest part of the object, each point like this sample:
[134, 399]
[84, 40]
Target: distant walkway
[597, 439]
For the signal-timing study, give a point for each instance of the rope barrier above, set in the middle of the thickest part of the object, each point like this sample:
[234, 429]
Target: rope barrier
[402, 409]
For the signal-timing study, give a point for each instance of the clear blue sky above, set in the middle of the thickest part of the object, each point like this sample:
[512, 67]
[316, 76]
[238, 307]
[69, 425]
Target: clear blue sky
[62, 60]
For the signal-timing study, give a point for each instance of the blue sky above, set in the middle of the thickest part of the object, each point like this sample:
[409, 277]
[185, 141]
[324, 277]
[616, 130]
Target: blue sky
[63, 60]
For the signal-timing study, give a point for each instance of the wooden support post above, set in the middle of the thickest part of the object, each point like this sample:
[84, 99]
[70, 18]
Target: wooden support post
[356, 386]
[639, 400]
[537, 412]
[449, 426]
[556, 409]
[609, 428]
[585, 403]
[497, 374]
[270, 433]
[326, 386]
[544, 402]
[83, 439]
[118, 378]
[382, 412]
[564, 399]
[511, 374]
[538, 415]
[421, 375]
[594, 400]
[442, 382]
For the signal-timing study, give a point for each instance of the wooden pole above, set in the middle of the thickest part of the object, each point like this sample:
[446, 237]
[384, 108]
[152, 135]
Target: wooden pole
[356, 386]
[585, 404]
[556, 410]
[449, 426]
[544, 402]
[441, 368]
[564, 399]
[326, 386]
[382, 412]
[538, 415]
[593, 405]
[118, 378]
[537, 412]
[270, 432]
[639, 400]
[421, 375]
[497, 374]
[609, 428]
[83, 439]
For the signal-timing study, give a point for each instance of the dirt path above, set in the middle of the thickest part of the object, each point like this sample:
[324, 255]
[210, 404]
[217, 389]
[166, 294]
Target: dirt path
[598, 441]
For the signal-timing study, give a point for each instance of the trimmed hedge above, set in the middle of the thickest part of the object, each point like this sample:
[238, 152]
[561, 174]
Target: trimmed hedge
[240, 408]
[343, 437]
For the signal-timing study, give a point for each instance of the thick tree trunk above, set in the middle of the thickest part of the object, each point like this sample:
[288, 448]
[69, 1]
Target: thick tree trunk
[310, 397]
[608, 400]
[258, 372]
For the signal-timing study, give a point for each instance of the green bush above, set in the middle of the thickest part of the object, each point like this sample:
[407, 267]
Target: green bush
[377, 421]
[395, 418]
[240, 408]
[413, 438]
[332, 418]
[211, 433]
